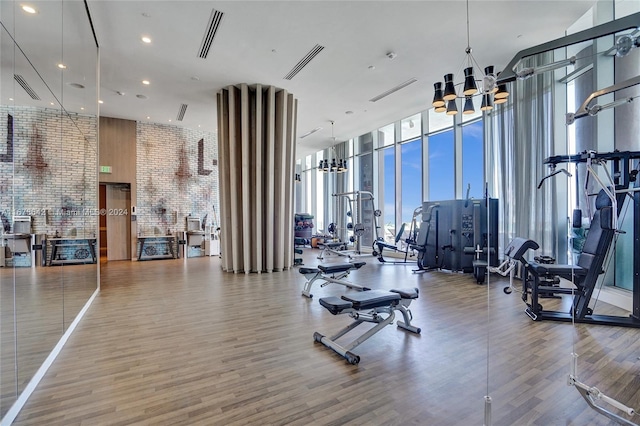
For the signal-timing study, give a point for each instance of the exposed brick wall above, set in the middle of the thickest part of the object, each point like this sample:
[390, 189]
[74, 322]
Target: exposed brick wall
[176, 176]
[52, 169]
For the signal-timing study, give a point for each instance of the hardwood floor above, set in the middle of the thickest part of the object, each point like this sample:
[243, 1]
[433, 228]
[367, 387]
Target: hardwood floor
[179, 342]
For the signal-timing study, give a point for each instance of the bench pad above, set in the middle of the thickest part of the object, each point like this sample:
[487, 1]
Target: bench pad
[406, 293]
[553, 269]
[371, 299]
[304, 271]
[332, 245]
[335, 305]
[341, 267]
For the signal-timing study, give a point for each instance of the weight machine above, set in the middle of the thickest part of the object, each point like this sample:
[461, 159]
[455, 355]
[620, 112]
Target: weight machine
[621, 183]
[361, 210]
[379, 244]
[452, 230]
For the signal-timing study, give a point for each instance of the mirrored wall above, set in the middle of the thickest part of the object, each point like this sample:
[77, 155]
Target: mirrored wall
[48, 181]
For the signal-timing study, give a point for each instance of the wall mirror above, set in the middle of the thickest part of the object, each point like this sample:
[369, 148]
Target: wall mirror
[48, 181]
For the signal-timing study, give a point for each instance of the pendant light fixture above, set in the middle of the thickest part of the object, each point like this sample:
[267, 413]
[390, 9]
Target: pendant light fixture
[444, 97]
[336, 165]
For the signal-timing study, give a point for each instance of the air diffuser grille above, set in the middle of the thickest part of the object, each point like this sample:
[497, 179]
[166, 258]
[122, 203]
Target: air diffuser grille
[393, 90]
[210, 33]
[304, 61]
[181, 111]
[22, 82]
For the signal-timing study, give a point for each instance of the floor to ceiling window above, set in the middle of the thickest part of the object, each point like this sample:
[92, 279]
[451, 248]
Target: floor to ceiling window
[473, 159]
[388, 194]
[441, 166]
[411, 172]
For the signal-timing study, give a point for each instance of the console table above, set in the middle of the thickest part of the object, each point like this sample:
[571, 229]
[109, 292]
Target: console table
[157, 247]
[71, 250]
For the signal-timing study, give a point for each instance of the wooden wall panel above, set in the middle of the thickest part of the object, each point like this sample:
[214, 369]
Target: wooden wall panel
[118, 150]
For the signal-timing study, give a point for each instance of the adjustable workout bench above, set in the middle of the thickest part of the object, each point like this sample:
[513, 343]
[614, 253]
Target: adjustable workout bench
[330, 274]
[334, 247]
[369, 306]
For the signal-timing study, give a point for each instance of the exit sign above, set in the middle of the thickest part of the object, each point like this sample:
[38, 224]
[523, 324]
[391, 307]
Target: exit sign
[105, 169]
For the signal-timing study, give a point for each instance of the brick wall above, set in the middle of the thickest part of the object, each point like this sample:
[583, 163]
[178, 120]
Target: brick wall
[53, 169]
[51, 174]
[176, 176]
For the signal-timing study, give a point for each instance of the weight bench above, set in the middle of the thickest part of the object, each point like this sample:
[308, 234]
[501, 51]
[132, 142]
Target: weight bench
[330, 274]
[376, 306]
[335, 247]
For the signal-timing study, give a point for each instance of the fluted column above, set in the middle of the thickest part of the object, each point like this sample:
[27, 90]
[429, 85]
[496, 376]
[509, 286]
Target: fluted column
[256, 137]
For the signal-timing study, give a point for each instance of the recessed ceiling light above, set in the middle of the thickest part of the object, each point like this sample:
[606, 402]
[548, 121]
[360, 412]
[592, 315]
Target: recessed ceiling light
[146, 82]
[141, 97]
[10, 99]
[348, 112]
[146, 15]
[76, 85]
[146, 39]
[51, 103]
[62, 66]
[28, 9]
[82, 108]
[148, 118]
[195, 78]
[372, 67]
[100, 102]
[169, 121]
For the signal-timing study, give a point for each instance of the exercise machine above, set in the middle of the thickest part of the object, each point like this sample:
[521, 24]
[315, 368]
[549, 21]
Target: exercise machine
[540, 279]
[375, 306]
[453, 229]
[379, 245]
[361, 209]
[330, 274]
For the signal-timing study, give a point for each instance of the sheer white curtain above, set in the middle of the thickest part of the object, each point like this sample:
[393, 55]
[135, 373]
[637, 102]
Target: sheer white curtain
[520, 136]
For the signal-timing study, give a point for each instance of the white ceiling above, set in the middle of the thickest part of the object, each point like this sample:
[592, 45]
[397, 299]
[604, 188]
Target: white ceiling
[261, 41]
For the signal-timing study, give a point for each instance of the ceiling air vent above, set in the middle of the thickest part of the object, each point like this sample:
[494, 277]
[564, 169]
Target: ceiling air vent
[210, 33]
[304, 61]
[22, 82]
[393, 90]
[181, 111]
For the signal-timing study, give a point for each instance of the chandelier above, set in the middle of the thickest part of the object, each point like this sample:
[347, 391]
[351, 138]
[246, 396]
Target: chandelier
[336, 165]
[445, 95]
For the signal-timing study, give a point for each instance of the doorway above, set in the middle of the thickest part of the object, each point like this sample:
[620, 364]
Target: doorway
[115, 221]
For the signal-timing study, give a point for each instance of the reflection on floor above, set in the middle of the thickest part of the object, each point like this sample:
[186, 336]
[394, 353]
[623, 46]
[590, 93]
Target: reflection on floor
[180, 342]
[47, 299]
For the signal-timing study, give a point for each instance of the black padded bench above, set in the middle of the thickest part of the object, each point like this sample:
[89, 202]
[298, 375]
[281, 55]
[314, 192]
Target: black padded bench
[369, 306]
[330, 274]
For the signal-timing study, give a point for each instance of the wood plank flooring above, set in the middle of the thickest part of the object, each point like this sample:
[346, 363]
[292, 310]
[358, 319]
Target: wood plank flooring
[179, 342]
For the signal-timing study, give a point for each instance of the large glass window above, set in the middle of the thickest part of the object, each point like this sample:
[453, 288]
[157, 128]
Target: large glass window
[319, 195]
[386, 135]
[411, 156]
[441, 166]
[388, 195]
[473, 159]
